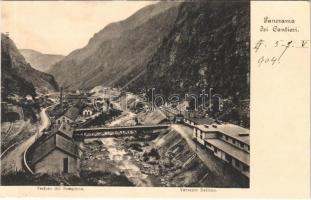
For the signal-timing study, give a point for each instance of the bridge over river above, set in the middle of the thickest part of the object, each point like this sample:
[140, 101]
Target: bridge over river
[120, 131]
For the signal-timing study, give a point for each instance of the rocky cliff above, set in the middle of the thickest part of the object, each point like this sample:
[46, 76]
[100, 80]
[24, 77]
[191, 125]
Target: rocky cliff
[208, 47]
[18, 77]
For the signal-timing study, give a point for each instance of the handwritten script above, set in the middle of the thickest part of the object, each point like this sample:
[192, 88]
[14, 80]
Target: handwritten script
[262, 49]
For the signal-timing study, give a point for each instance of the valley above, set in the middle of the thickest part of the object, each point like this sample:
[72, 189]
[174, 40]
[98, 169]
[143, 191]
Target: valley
[159, 99]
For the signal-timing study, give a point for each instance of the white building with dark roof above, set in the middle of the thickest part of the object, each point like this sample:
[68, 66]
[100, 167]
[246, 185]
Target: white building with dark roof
[87, 111]
[228, 142]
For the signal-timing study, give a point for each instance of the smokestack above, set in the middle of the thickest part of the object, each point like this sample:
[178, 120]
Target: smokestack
[61, 99]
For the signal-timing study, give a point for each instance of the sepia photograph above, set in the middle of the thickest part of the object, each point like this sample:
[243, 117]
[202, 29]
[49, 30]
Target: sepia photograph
[125, 93]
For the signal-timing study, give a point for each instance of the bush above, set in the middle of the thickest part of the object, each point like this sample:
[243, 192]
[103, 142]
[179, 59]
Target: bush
[23, 178]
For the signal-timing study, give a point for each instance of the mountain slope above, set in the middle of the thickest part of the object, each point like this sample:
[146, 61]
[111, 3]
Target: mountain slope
[17, 76]
[208, 47]
[119, 51]
[40, 61]
[174, 47]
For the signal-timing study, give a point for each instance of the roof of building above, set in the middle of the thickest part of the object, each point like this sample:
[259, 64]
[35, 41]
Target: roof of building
[49, 144]
[59, 114]
[75, 96]
[205, 120]
[234, 131]
[72, 113]
[230, 149]
[155, 117]
[87, 108]
[65, 129]
[130, 101]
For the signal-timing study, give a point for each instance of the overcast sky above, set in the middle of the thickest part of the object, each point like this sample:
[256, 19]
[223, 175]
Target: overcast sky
[59, 27]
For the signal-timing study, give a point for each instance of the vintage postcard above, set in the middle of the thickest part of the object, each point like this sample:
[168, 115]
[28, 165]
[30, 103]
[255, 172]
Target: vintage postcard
[155, 98]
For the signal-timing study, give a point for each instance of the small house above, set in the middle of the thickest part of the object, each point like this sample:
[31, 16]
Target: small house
[87, 111]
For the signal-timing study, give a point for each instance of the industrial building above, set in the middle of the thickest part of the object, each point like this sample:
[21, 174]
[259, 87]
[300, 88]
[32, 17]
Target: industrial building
[228, 142]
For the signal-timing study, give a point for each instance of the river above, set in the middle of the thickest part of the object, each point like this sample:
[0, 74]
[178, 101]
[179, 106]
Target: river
[124, 162]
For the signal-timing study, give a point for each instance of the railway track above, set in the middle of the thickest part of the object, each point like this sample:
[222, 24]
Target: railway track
[7, 132]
